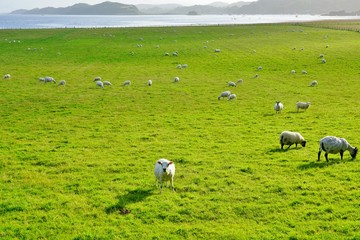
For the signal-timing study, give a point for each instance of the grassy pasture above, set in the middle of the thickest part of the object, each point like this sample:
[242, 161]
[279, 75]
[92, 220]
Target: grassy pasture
[76, 162]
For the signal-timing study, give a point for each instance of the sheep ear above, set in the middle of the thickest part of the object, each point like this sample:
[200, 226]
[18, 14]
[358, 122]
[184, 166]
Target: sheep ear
[170, 163]
[159, 162]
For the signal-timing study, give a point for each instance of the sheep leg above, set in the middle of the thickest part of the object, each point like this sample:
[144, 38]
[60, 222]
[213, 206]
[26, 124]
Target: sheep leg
[341, 154]
[282, 146]
[289, 146]
[172, 184]
[326, 156]
[319, 153]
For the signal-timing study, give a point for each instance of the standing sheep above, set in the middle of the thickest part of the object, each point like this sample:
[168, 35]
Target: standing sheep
[107, 83]
[232, 96]
[97, 79]
[62, 83]
[164, 171]
[127, 83]
[7, 76]
[149, 83]
[224, 94]
[302, 105]
[176, 79]
[231, 84]
[278, 107]
[334, 145]
[50, 79]
[290, 138]
[100, 84]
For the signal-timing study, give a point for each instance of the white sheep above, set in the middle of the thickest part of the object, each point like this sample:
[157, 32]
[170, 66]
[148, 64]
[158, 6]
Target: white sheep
[278, 107]
[334, 145]
[178, 66]
[313, 83]
[232, 84]
[232, 96]
[176, 79]
[302, 105]
[293, 71]
[259, 68]
[164, 171]
[100, 84]
[127, 83]
[107, 83]
[290, 138]
[50, 79]
[41, 79]
[7, 76]
[225, 94]
[304, 72]
[323, 60]
[217, 50]
[97, 79]
[149, 83]
[62, 83]
[184, 65]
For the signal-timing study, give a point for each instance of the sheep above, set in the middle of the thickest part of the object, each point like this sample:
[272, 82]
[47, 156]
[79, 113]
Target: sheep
[278, 107]
[50, 79]
[256, 76]
[217, 50]
[224, 94]
[107, 83]
[259, 68]
[127, 83]
[302, 105]
[97, 79]
[178, 66]
[176, 79]
[232, 96]
[323, 60]
[334, 145]
[184, 65]
[321, 55]
[313, 83]
[175, 54]
[304, 72]
[293, 71]
[7, 76]
[164, 171]
[100, 84]
[62, 83]
[41, 79]
[240, 81]
[149, 83]
[166, 54]
[290, 138]
[232, 84]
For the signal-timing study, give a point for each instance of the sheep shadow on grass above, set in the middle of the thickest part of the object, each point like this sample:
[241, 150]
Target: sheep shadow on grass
[318, 164]
[128, 198]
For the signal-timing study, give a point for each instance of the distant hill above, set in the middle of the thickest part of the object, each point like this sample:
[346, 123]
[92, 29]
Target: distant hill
[105, 8]
[298, 6]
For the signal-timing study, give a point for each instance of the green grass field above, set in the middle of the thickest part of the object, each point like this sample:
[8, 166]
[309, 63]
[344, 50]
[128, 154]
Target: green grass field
[76, 161]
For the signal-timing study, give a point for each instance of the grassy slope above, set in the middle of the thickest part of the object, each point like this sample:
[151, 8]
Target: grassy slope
[73, 158]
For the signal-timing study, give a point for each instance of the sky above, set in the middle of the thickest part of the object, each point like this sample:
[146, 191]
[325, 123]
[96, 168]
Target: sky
[11, 5]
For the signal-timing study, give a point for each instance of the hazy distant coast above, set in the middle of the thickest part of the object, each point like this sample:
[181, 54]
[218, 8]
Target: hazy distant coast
[321, 7]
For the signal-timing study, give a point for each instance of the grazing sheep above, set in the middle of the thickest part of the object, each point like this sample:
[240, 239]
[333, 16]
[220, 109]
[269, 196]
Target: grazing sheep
[178, 66]
[240, 81]
[7, 76]
[42, 79]
[334, 145]
[164, 171]
[127, 83]
[175, 54]
[184, 65]
[217, 50]
[278, 107]
[176, 79]
[290, 138]
[97, 79]
[107, 83]
[313, 83]
[100, 84]
[166, 54]
[225, 94]
[323, 60]
[149, 83]
[256, 76]
[232, 84]
[302, 105]
[232, 96]
[321, 55]
[259, 68]
[293, 71]
[304, 72]
[50, 79]
[62, 83]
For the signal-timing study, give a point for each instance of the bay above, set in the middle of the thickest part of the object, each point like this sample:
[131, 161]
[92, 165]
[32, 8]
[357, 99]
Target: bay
[16, 21]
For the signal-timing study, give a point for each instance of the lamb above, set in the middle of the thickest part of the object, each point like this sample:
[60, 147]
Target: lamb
[149, 83]
[313, 83]
[290, 138]
[176, 79]
[302, 105]
[7, 76]
[334, 145]
[164, 171]
[62, 83]
[232, 84]
[100, 84]
[278, 107]
[224, 94]
[50, 79]
[232, 96]
[127, 83]
[107, 83]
